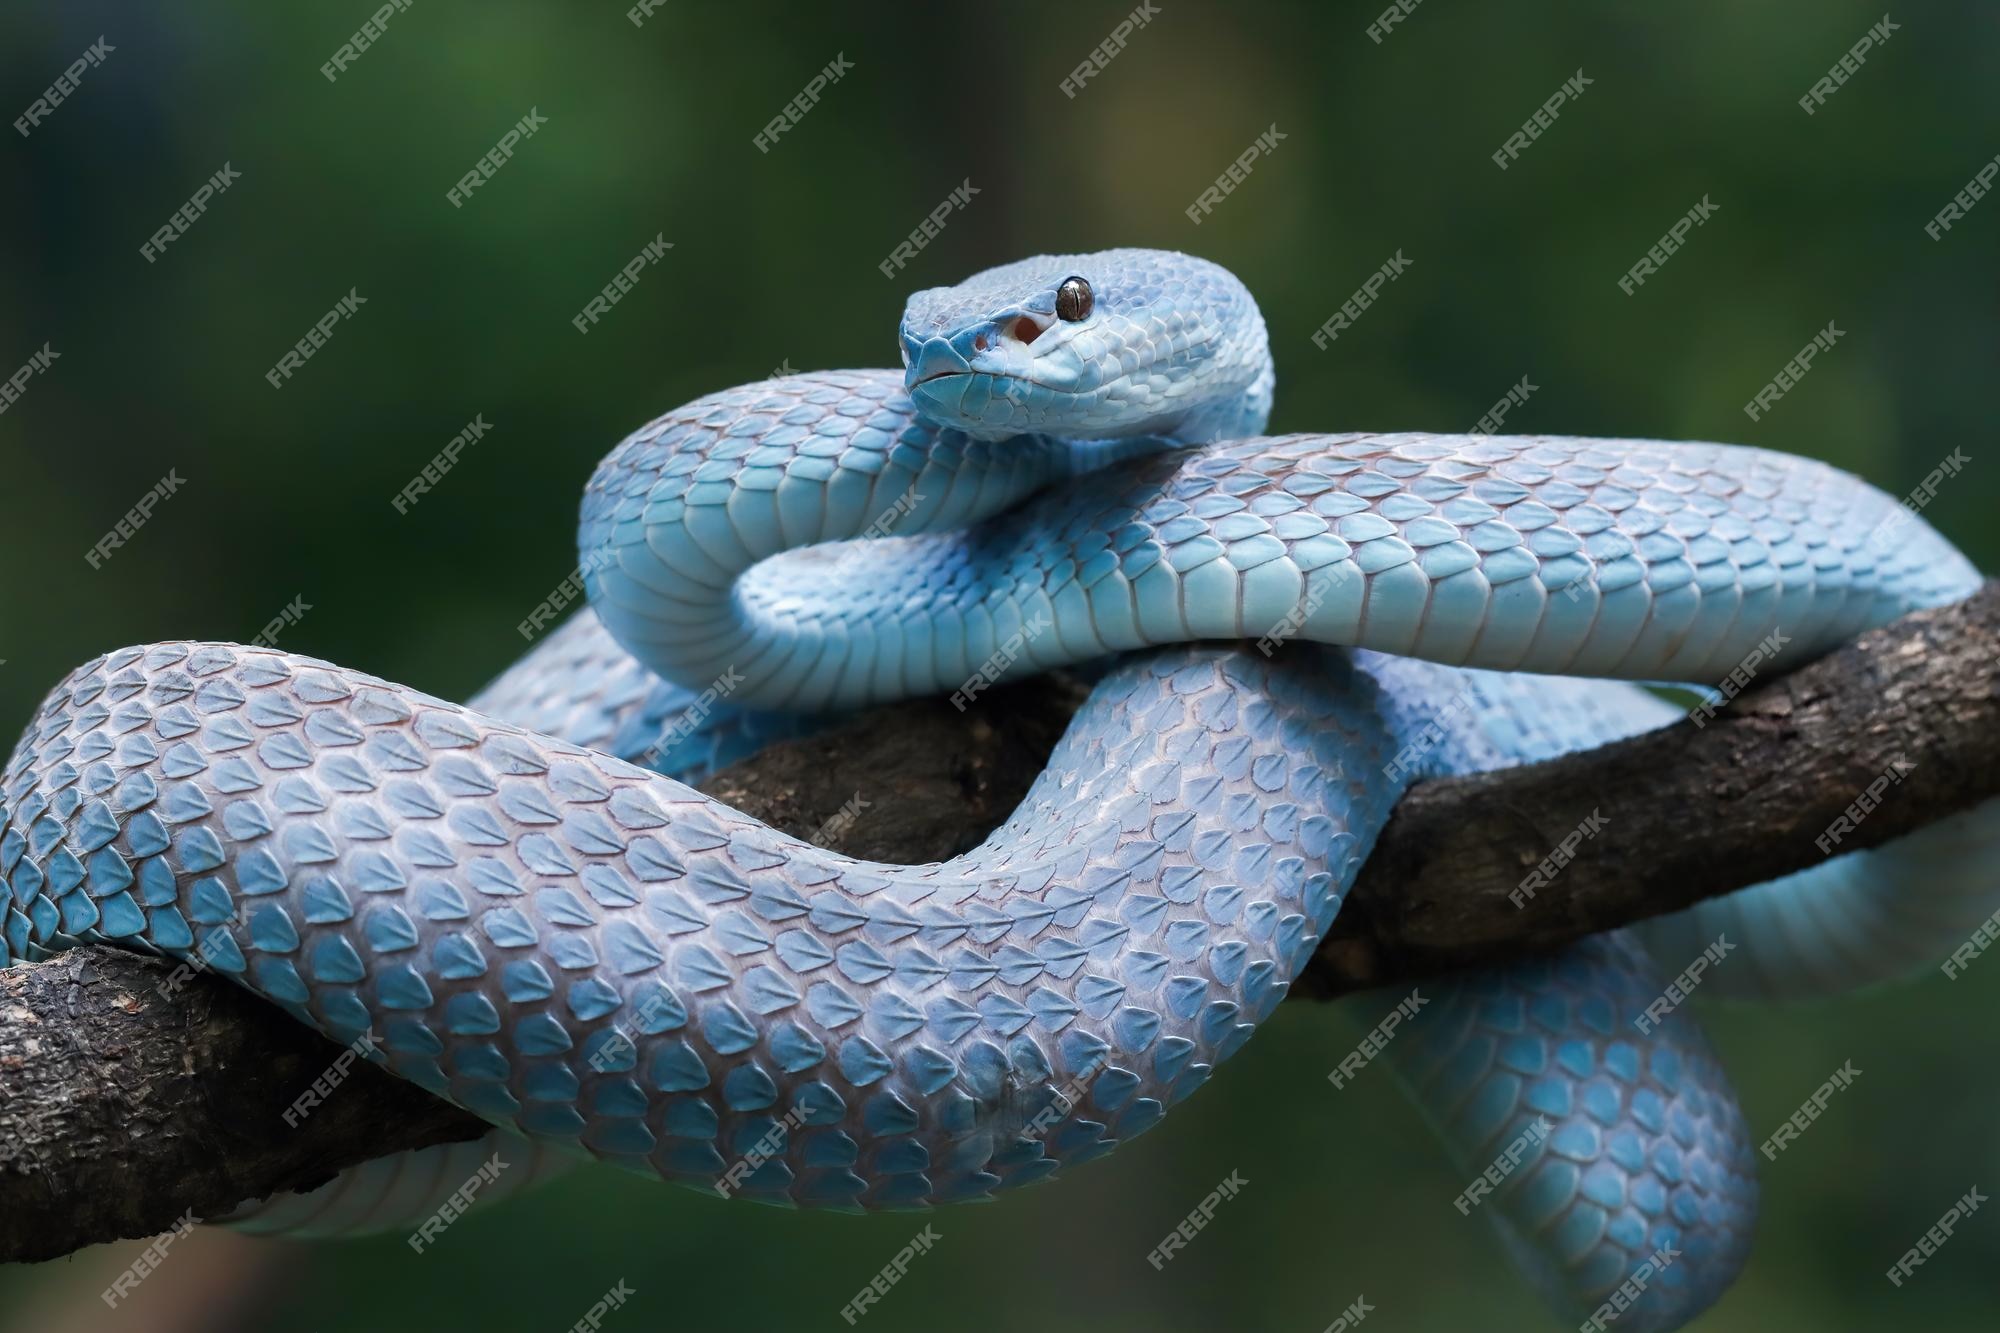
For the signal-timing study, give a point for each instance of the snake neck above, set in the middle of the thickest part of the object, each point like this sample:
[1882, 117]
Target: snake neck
[1236, 417]
[694, 534]
[1223, 411]
[677, 517]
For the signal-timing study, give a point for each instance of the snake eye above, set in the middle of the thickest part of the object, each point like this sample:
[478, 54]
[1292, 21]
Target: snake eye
[1074, 300]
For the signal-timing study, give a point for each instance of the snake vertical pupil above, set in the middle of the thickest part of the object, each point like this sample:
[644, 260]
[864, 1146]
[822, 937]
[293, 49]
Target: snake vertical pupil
[1074, 299]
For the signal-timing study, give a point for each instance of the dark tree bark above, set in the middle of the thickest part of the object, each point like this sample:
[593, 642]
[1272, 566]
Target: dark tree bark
[123, 1109]
[1697, 810]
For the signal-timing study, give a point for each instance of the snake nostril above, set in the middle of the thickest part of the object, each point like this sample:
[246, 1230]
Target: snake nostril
[979, 343]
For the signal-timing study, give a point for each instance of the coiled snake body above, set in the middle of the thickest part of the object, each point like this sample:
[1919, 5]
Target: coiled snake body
[597, 958]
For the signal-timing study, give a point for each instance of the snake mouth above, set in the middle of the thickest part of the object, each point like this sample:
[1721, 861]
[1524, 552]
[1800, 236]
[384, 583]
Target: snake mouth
[965, 376]
[997, 376]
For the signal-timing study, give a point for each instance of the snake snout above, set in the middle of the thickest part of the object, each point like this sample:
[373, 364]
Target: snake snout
[998, 346]
[932, 358]
[980, 377]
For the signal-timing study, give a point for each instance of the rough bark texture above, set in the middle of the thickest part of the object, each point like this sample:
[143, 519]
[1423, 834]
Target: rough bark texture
[1691, 811]
[922, 780]
[121, 1108]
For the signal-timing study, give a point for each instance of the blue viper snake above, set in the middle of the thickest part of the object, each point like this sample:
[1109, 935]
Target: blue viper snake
[520, 906]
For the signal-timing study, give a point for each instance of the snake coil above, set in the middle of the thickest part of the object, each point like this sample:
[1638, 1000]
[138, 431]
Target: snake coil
[524, 909]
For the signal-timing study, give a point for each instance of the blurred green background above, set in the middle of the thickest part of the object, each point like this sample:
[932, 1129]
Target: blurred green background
[1513, 274]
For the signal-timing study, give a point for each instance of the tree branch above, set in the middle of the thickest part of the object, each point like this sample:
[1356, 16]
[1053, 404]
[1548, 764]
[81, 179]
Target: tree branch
[122, 1108]
[1700, 810]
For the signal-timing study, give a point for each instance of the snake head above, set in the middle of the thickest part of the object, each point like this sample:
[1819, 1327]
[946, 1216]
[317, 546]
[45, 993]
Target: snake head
[1097, 346]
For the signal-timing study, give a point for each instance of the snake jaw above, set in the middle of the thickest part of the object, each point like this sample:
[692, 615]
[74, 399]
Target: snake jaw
[1021, 371]
[984, 377]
